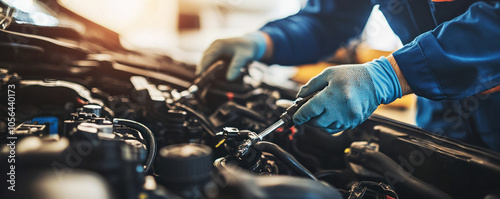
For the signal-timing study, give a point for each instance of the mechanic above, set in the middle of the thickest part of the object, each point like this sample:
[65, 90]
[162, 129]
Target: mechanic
[451, 60]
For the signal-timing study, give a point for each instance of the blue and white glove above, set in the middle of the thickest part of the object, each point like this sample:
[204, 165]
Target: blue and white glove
[348, 94]
[239, 50]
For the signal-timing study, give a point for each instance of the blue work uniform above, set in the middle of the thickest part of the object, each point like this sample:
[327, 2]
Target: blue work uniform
[451, 57]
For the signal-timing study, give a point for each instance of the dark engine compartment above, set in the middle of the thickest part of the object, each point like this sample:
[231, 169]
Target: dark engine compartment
[90, 118]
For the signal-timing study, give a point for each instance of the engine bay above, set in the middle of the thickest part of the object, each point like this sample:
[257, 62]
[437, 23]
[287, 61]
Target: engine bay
[87, 118]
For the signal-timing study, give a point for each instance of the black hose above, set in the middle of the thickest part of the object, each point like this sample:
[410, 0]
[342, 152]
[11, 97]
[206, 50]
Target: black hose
[284, 157]
[308, 157]
[205, 123]
[242, 110]
[145, 133]
[385, 166]
[329, 173]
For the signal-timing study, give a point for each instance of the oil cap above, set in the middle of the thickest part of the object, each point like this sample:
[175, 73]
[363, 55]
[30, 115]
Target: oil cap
[92, 108]
[184, 163]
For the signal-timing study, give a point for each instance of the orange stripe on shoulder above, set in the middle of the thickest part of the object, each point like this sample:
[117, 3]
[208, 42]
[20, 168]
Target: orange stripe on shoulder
[442, 0]
[493, 90]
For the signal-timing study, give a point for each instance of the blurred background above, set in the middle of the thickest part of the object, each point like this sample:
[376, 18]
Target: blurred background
[182, 29]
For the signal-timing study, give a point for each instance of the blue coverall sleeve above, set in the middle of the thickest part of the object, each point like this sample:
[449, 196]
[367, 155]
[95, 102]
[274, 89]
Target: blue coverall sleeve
[457, 59]
[317, 30]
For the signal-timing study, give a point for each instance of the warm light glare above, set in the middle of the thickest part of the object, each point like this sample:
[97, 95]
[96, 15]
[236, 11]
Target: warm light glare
[146, 23]
[113, 14]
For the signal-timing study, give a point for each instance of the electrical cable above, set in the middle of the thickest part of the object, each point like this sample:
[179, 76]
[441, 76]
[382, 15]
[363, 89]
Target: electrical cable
[205, 123]
[284, 157]
[145, 133]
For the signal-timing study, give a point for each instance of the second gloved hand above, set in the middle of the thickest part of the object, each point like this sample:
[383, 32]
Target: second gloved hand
[239, 51]
[348, 94]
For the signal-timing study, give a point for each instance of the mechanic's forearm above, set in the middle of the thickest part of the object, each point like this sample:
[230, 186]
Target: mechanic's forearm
[405, 87]
[269, 47]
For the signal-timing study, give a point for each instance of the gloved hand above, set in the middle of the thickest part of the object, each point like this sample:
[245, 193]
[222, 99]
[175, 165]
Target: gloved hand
[349, 94]
[239, 50]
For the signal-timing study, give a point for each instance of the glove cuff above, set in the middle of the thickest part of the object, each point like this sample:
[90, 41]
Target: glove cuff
[260, 43]
[385, 80]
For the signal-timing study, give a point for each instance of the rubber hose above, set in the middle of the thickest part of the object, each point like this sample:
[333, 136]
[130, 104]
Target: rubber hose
[207, 125]
[385, 166]
[145, 133]
[284, 157]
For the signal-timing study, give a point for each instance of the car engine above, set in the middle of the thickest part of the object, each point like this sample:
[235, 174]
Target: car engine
[83, 117]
